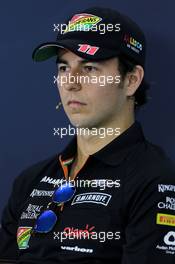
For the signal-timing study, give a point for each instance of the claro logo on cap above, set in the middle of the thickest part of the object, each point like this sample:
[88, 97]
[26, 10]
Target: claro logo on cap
[132, 43]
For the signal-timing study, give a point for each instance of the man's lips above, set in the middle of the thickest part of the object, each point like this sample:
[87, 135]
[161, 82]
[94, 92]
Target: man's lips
[74, 102]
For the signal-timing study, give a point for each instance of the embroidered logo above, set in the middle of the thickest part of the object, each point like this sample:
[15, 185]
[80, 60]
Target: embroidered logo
[23, 236]
[77, 249]
[132, 43]
[85, 48]
[82, 22]
[166, 188]
[78, 233]
[165, 219]
[168, 244]
[32, 211]
[41, 193]
[92, 197]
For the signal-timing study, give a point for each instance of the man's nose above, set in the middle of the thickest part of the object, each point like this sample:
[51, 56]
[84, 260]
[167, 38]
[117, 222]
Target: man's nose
[73, 81]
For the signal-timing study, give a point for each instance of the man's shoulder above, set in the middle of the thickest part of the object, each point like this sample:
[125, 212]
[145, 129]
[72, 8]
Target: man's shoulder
[151, 162]
[37, 169]
[157, 158]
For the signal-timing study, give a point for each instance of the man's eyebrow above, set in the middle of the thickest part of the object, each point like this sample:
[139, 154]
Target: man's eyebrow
[58, 60]
[83, 61]
[88, 61]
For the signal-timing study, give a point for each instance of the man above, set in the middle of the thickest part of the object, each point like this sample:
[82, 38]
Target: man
[104, 199]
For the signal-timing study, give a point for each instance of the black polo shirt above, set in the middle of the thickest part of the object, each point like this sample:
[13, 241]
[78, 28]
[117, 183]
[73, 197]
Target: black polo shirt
[123, 211]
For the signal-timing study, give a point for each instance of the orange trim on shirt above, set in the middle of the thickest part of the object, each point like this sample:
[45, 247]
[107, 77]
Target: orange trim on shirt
[64, 167]
[68, 161]
[65, 170]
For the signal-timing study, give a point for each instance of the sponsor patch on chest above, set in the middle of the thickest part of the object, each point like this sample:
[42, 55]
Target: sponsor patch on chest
[92, 197]
[23, 236]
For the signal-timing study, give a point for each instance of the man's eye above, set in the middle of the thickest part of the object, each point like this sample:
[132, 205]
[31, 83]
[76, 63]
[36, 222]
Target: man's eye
[62, 68]
[89, 68]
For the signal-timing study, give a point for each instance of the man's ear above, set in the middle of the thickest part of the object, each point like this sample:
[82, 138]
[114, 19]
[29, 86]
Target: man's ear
[133, 80]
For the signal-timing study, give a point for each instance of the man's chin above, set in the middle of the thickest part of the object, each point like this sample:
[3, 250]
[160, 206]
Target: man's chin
[78, 123]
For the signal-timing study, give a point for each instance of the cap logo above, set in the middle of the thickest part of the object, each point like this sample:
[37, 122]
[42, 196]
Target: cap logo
[85, 48]
[82, 22]
[132, 43]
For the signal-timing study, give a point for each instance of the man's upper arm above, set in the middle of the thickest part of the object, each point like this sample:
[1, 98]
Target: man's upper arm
[8, 245]
[22, 187]
[150, 231]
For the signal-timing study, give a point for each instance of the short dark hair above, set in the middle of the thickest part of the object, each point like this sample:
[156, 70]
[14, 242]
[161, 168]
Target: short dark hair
[126, 65]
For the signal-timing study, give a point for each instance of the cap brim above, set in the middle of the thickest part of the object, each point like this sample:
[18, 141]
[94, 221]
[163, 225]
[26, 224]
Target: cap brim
[50, 49]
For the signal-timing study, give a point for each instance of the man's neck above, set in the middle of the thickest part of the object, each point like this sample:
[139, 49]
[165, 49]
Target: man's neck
[90, 144]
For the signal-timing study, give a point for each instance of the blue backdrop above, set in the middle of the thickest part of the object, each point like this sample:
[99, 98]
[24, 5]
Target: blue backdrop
[29, 97]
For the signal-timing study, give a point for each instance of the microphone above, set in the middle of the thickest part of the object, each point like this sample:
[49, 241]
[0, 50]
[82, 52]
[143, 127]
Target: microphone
[58, 105]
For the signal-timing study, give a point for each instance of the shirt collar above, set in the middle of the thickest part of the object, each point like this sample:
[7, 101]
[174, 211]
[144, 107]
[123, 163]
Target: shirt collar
[115, 151]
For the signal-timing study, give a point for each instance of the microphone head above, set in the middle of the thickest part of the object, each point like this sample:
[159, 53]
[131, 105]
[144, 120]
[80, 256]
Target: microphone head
[58, 105]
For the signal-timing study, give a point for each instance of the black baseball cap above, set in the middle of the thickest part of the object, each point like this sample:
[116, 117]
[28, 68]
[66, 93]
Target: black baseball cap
[96, 34]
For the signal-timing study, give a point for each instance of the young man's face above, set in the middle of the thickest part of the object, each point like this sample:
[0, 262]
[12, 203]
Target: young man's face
[94, 101]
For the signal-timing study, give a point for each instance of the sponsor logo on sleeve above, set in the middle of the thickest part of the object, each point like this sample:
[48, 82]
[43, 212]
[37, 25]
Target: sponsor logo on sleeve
[92, 197]
[169, 239]
[165, 219]
[168, 204]
[166, 188]
[168, 245]
[23, 236]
